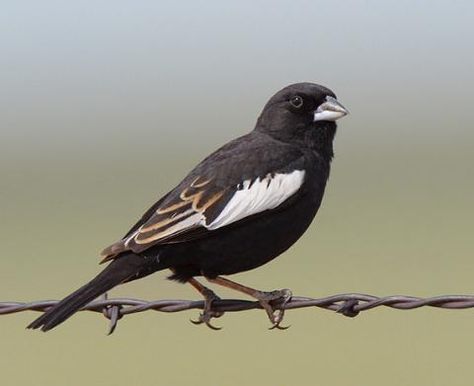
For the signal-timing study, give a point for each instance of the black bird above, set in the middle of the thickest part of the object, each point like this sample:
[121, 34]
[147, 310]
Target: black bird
[241, 207]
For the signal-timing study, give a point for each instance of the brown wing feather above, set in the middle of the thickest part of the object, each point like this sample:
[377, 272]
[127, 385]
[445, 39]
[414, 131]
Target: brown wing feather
[177, 219]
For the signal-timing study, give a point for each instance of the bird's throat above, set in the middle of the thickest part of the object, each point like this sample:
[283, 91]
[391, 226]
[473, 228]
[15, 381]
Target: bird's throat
[320, 138]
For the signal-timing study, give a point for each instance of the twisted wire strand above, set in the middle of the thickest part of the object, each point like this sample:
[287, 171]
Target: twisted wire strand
[350, 304]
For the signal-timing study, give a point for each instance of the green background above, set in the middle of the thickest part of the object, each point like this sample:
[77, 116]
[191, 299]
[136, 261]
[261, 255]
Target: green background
[106, 105]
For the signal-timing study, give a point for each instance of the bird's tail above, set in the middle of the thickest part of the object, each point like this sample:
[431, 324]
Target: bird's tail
[122, 269]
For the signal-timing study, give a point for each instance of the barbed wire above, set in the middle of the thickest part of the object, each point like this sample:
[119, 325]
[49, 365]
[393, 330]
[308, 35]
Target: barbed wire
[346, 304]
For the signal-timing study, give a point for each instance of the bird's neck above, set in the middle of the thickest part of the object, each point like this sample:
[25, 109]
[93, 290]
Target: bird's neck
[315, 136]
[320, 138]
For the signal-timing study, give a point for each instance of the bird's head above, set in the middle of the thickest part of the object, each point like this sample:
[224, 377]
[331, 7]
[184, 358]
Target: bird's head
[302, 112]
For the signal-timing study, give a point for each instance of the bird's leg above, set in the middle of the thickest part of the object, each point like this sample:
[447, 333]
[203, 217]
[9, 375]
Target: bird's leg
[209, 298]
[273, 302]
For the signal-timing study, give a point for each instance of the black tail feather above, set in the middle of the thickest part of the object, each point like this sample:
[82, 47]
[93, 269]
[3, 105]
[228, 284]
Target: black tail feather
[120, 270]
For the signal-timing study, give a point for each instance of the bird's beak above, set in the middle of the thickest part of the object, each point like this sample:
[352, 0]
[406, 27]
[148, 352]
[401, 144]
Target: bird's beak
[331, 110]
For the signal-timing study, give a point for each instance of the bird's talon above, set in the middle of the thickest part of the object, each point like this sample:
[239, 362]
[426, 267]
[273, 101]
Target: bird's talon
[206, 319]
[196, 322]
[208, 314]
[278, 327]
[273, 303]
[215, 328]
[277, 319]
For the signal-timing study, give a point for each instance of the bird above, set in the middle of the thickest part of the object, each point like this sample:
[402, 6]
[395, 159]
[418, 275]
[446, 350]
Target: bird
[239, 208]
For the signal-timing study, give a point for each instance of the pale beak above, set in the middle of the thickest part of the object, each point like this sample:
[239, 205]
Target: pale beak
[331, 110]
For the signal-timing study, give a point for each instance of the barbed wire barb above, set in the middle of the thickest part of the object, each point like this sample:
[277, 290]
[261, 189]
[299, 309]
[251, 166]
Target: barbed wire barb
[350, 305]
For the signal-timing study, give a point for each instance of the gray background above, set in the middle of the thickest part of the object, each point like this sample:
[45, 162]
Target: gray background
[106, 105]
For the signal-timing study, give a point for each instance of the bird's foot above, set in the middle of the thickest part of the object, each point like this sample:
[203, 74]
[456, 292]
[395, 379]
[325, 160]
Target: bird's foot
[208, 313]
[273, 303]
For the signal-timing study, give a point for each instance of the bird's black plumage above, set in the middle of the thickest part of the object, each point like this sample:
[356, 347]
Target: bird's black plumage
[242, 206]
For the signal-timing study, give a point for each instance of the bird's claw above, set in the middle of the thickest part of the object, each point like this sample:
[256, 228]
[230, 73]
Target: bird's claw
[274, 304]
[202, 320]
[208, 313]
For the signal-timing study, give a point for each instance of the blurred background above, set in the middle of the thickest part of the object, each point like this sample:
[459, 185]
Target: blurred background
[104, 106]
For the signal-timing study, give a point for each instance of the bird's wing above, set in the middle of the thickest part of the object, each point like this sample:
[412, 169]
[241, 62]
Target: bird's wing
[210, 199]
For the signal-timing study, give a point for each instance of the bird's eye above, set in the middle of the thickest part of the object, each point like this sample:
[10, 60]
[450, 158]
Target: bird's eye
[296, 101]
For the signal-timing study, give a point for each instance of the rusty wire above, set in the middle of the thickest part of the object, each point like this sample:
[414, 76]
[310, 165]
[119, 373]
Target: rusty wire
[347, 304]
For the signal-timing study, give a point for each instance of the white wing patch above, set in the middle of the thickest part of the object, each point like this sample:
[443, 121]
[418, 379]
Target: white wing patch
[252, 197]
[257, 196]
